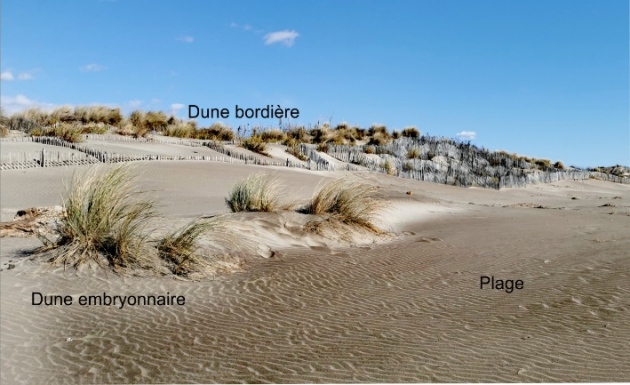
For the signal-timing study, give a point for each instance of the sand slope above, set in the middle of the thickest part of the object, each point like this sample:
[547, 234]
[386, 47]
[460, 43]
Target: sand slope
[406, 310]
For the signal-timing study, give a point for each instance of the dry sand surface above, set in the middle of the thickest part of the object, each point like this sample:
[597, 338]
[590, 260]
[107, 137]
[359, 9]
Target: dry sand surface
[405, 308]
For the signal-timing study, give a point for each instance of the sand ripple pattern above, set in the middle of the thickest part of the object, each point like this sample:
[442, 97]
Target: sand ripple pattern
[396, 313]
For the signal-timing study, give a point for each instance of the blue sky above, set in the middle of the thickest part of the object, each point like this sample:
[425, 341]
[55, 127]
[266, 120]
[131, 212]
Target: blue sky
[548, 78]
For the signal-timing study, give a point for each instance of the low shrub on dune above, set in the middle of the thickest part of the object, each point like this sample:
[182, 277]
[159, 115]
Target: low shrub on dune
[67, 132]
[255, 144]
[410, 132]
[103, 220]
[217, 131]
[350, 203]
[380, 139]
[273, 136]
[413, 153]
[4, 124]
[180, 130]
[257, 192]
[323, 147]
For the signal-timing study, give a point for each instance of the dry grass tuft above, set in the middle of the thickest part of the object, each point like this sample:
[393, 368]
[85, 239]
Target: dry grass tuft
[273, 136]
[178, 249]
[103, 221]
[257, 192]
[293, 148]
[4, 124]
[217, 131]
[411, 132]
[347, 202]
[322, 147]
[388, 166]
[180, 129]
[255, 144]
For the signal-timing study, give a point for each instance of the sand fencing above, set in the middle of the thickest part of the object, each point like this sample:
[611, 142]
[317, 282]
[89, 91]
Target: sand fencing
[446, 161]
[47, 158]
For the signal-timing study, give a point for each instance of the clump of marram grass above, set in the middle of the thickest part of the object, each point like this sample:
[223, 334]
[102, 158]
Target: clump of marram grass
[179, 249]
[257, 192]
[350, 203]
[103, 220]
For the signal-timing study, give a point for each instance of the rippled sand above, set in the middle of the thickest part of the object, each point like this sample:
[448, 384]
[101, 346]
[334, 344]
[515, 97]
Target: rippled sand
[407, 309]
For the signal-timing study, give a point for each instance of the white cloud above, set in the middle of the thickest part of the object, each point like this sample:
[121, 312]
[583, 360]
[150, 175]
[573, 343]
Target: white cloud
[177, 106]
[186, 39]
[135, 103]
[6, 75]
[25, 76]
[92, 67]
[285, 37]
[466, 135]
[13, 104]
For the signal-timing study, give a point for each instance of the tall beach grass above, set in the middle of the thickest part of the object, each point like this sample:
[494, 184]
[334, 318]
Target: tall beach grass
[179, 248]
[350, 203]
[257, 192]
[104, 220]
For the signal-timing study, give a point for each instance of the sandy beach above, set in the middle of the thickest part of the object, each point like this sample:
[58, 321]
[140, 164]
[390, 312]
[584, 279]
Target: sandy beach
[298, 307]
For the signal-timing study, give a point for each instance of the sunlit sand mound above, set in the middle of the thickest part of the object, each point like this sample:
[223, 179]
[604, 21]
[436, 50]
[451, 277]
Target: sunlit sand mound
[106, 221]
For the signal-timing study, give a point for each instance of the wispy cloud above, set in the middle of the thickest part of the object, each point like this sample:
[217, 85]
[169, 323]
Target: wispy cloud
[186, 39]
[175, 107]
[13, 104]
[285, 37]
[93, 67]
[135, 103]
[25, 76]
[8, 76]
[466, 135]
[246, 27]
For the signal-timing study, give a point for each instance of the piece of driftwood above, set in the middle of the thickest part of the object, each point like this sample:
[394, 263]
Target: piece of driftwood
[31, 222]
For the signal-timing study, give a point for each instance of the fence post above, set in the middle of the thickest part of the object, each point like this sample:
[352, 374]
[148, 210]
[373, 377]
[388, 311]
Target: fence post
[42, 159]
